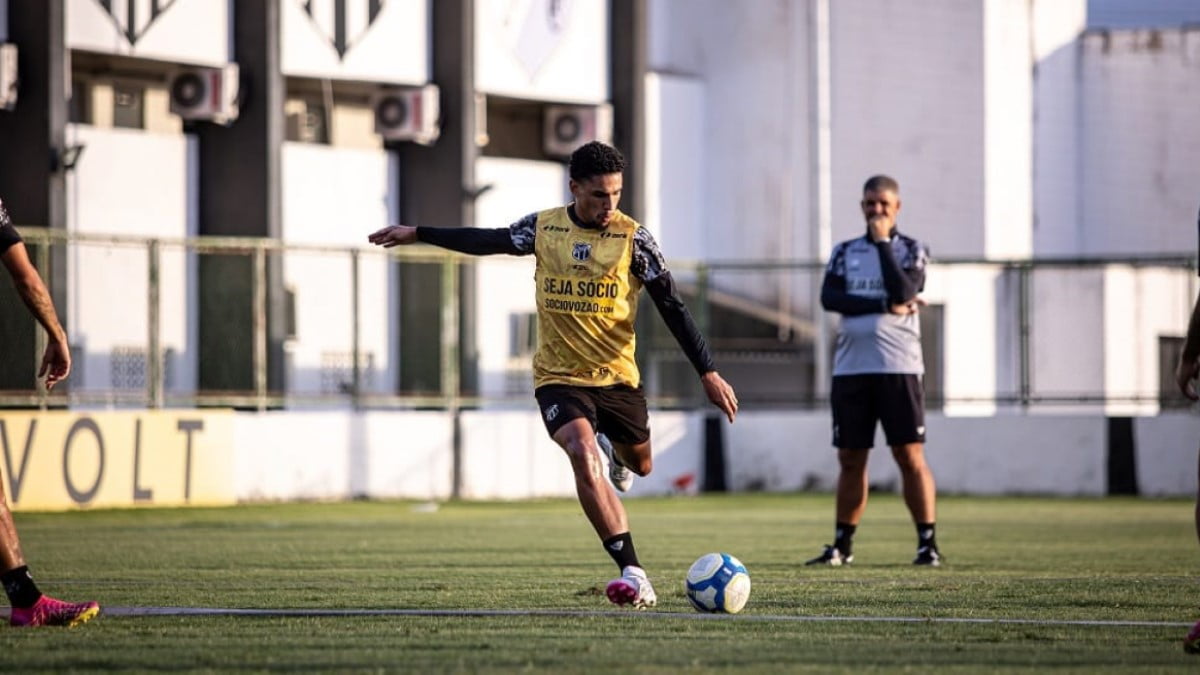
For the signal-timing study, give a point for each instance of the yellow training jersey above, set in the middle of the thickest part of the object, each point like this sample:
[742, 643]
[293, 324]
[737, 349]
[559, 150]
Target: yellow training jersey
[587, 301]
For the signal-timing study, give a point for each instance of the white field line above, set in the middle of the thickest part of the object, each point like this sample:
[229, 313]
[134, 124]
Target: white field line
[350, 612]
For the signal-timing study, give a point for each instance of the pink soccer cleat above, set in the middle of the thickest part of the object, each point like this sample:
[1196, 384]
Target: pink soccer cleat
[1191, 643]
[50, 612]
[632, 588]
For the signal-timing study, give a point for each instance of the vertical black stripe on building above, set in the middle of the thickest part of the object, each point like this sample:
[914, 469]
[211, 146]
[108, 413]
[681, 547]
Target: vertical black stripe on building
[436, 187]
[339, 27]
[32, 178]
[131, 21]
[714, 456]
[627, 77]
[1122, 457]
[240, 196]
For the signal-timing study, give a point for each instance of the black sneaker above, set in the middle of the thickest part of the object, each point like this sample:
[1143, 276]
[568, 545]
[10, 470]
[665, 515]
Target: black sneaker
[831, 556]
[928, 555]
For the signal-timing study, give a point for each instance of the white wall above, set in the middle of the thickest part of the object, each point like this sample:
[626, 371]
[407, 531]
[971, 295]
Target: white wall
[187, 31]
[332, 455]
[1166, 454]
[1140, 305]
[675, 167]
[1140, 91]
[746, 118]
[1058, 455]
[1056, 140]
[153, 197]
[552, 50]
[335, 197]
[974, 352]
[394, 48]
[1067, 353]
[1008, 130]
[507, 455]
[911, 104]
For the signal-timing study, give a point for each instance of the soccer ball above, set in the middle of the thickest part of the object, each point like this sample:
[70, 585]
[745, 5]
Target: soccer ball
[718, 582]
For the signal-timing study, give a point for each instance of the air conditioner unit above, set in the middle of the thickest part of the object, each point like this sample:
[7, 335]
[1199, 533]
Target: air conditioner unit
[408, 114]
[207, 94]
[566, 127]
[8, 76]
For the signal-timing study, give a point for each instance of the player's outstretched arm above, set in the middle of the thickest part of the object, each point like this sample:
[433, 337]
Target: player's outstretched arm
[393, 235]
[720, 393]
[469, 240]
[56, 361]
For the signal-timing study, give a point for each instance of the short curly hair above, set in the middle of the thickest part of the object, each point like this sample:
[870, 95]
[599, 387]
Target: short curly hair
[595, 159]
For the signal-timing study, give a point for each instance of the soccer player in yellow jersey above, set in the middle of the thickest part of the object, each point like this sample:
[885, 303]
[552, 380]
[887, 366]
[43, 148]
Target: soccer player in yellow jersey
[591, 264]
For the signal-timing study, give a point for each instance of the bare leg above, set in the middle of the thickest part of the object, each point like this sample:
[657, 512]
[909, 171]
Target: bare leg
[636, 457]
[598, 499]
[1198, 497]
[920, 492]
[851, 485]
[10, 545]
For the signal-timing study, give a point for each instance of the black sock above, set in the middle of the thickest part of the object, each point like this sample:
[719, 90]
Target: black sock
[843, 537]
[926, 535]
[18, 584]
[620, 547]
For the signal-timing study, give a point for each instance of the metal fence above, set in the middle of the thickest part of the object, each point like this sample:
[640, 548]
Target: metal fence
[256, 323]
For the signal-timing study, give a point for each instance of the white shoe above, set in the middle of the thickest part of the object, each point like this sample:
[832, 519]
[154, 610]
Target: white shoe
[621, 477]
[632, 588]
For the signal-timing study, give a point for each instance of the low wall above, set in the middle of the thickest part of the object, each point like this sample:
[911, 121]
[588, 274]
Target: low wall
[63, 460]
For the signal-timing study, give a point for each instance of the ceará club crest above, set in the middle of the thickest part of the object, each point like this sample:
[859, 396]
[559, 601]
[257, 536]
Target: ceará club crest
[581, 251]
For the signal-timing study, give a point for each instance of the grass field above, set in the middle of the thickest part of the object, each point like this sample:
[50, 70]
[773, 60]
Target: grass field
[531, 577]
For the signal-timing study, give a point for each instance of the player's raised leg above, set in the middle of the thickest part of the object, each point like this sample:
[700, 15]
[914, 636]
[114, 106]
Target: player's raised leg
[605, 512]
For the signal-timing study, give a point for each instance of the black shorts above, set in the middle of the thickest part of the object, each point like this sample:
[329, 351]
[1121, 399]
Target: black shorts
[619, 410]
[859, 401]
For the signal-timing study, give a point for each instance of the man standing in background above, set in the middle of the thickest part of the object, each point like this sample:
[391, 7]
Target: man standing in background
[873, 282]
[29, 606]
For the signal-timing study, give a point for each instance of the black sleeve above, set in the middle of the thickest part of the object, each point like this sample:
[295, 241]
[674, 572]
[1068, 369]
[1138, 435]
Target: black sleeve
[902, 285]
[472, 240]
[679, 321]
[834, 298]
[9, 236]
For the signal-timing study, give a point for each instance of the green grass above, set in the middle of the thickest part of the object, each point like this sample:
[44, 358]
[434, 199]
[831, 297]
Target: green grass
[1035, 559]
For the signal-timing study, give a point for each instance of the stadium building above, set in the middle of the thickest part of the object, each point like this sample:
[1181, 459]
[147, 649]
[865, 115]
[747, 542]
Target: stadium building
[197, 180]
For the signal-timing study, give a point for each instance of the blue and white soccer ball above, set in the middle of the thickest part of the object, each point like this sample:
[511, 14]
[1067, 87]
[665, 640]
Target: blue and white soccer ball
[718, 582]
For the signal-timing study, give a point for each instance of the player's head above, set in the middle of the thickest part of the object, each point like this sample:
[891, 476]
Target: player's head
[596, 171]
[881, 200]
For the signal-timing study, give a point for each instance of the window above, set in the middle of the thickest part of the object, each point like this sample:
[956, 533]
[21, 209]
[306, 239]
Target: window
[1170, 348]
[305, 122]
[933, 347]
[128, 106]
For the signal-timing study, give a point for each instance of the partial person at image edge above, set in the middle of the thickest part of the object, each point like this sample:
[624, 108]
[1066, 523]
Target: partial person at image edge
[29, 606]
